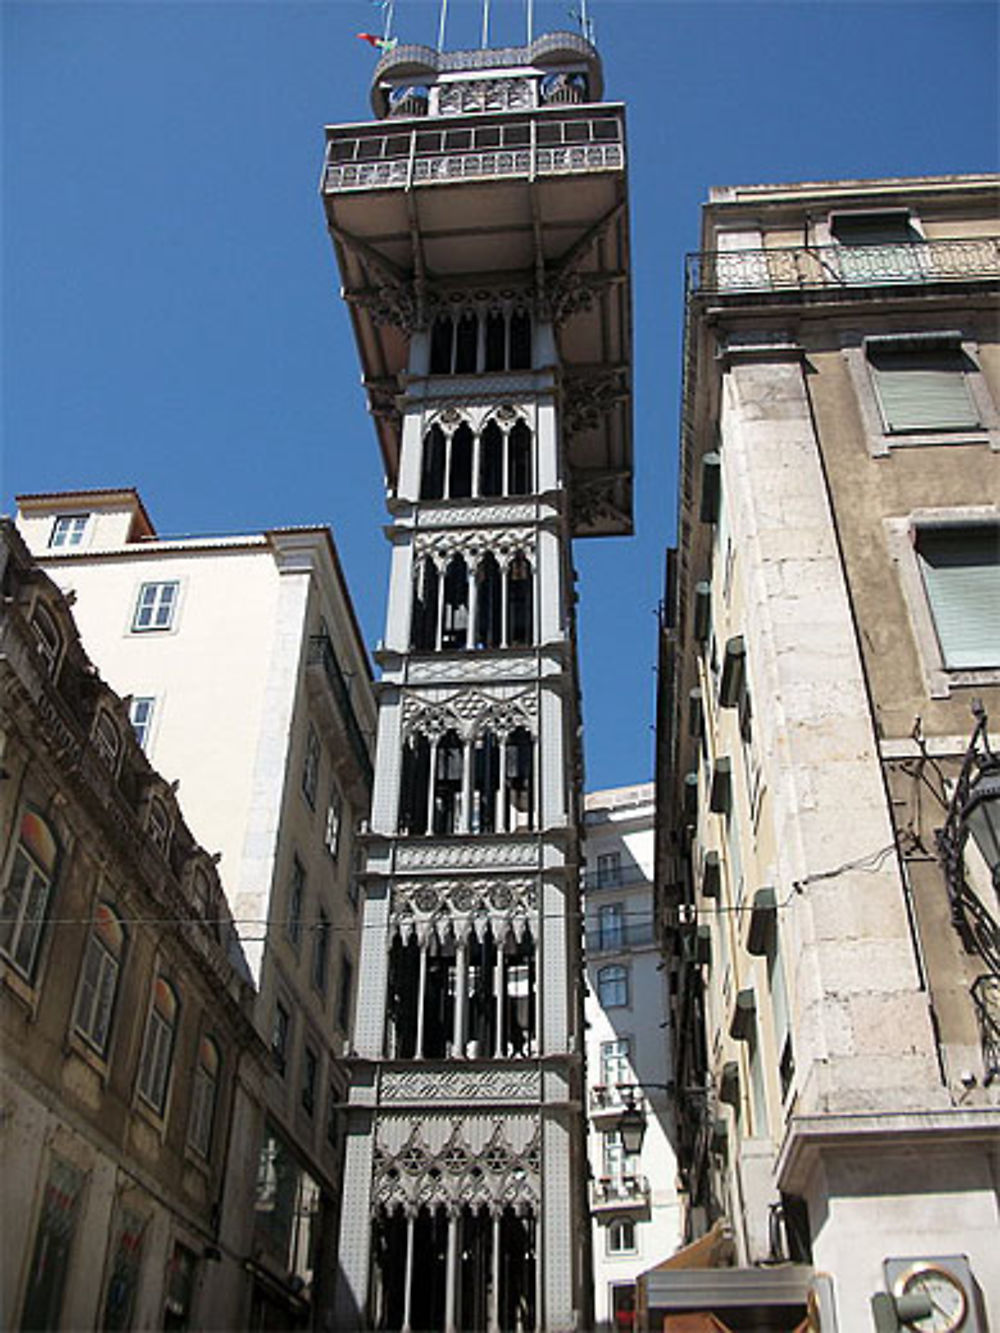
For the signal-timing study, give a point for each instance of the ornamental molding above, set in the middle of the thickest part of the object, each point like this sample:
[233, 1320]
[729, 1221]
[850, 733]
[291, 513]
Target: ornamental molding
[470, 712]
[476, 854]
[510, 94]
[504, 544]
[587, 400]
[495, 1175]
[594, 502]
[477, 515]
[460, 1085]
[460, 908]
[479, 301]
[449, 418]
[484, 666]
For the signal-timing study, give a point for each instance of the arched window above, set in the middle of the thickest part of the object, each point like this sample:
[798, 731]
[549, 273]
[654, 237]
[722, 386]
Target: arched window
[485, 783]
[460, 469]
[201, 895]
[49, 638]
[489, 603]
[432, 465]
[455, 612]
[107, 739]
[158, 1046]
[404, 990]
[442, 335]
[520, 341]
[27, 892]
[423, 631]
[519, 464]
[519, 992]
[520, 786]
[414, 785]
[448, 783]
[519, 602]
[491, 445]
[158, 824]
[99, 980]
[203, 1097]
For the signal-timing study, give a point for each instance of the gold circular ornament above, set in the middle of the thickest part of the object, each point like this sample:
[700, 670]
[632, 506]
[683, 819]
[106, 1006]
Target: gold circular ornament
[947, 1296]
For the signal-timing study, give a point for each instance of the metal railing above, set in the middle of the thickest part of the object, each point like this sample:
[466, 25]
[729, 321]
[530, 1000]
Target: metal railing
[394, 157]
[806, 268]
[621, 878]
[321, 652]
[619, 1191]
[619, 936]
[986, 997]
[613, 1096]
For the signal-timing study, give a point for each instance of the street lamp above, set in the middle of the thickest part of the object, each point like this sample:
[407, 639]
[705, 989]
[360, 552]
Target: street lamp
[631, 1124]
[981, 815]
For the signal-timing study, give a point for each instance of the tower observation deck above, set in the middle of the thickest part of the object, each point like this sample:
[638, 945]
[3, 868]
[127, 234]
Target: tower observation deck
[481, 230]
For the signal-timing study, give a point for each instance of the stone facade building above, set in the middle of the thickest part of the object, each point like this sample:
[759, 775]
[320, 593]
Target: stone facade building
[129, 1053]
[832, 615]
[250, 687]
[634, 1204]
[480, 227]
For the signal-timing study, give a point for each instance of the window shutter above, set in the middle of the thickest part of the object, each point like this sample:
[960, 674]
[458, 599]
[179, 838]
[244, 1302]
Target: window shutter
[961, 569]
[890, 228]
[922, 389]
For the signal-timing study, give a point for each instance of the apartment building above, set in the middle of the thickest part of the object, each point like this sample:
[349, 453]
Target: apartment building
[249, 687]
[829, 693]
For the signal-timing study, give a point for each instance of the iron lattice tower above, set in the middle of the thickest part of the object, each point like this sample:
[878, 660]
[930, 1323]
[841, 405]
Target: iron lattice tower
[480, 225]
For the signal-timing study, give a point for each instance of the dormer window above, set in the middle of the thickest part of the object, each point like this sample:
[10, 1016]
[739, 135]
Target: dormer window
[48, 636]
[107, 740]
[68, 530]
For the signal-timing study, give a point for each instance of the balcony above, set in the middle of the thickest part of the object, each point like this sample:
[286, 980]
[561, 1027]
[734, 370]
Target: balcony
[620, 937]
[619, 1193]
[322, 666]
[547, 144]
[832, 267]
[607, 1101]
[620, 877]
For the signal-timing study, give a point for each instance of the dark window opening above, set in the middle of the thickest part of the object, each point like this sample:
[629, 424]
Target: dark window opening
[519, 793]
[442, 334]
[466, 344]
[455, 618]
[488, 603]
[491, 460]
[520, 340]
[448, 784]
[460, 470]
[439, 1000]
[519, 603]
[432, 472]
[423, 629]
[496, 341]
[520, 460]
[404, 991]
[485, 784]
[414, 785]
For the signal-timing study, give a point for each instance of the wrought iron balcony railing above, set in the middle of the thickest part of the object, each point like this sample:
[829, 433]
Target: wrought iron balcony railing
[321, 651]
[619, 1192]
[808, 268]
[620, 878]
[396, 157]
[618, 937]
[986, 997]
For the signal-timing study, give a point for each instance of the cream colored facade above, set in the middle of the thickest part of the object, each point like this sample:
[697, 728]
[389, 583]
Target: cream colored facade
[261, 710]
[831, 615]
[634, 1204]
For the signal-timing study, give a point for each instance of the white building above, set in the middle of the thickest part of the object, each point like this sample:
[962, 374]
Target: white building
[250, 687]
[634, 1207]
[480, 226]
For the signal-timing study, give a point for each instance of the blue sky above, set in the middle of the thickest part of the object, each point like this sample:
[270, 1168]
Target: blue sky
[170, 310]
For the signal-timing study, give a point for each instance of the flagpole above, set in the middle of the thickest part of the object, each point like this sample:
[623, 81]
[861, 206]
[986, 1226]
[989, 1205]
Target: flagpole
[441, 22]
[531, 20]
[486, 23]
[584, 20]
[389, 7]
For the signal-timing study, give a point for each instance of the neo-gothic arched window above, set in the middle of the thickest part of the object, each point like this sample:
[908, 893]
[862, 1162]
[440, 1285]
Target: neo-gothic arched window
[491, 450]
[489, 603]
[476, 341]
[432, 469]
[485, 783]
[455, 611]
[519, 460]
[414, 785]
[423, 627]
[519, 602]
[460, 469]
[448, 767]
[519, 781]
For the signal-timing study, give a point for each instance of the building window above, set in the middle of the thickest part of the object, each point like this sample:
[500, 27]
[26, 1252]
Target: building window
[99, 981]
[616, 1063]
[621, 1236]
[279, 1038]
[609, 869]
[334, 817]
[155, 607]
[158, 824]
[140, 714]
[960, 567]
[921, 385]
[344, 993]
[310, 1070]
[27, 893]
[107, 740]
[68, 530]
[52, 1252]
[611, 926]
[612, 987]
[296, 900]
[126, 1263]
[332, 1116]
[180, 1289]
[310, 766]
[203, 1097]
[619, 1166]
[158, 1047]
[321, 952]
[47, 634]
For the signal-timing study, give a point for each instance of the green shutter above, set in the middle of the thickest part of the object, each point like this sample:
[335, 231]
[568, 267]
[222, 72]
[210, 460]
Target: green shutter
[961, 568]
[891, 228]
[922, 389]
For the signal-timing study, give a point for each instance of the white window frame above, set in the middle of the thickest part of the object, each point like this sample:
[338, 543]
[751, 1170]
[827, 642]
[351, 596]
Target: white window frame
[68, 530]
[156, 1061]
[615, 1251]
[204, 1092]
[609, 869]
[620, 1059]
[624, 980]
[902, 536]
[34, 875]
[95, 1000]
[141, 711]
[155, 611]
[611, 932]
[881, 441]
